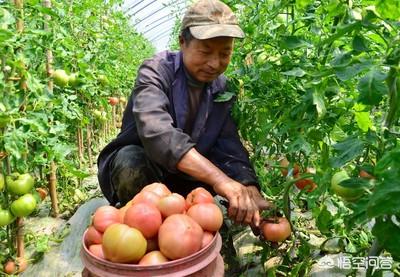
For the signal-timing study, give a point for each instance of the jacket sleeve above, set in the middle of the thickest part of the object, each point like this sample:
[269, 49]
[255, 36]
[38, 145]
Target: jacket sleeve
[231, 157]
[163, 143]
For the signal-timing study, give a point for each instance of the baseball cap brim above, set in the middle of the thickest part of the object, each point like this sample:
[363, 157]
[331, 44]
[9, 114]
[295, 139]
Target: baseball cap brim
[216, 30]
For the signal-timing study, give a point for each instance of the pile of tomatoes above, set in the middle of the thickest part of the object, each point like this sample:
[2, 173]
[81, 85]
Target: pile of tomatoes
[155, 227]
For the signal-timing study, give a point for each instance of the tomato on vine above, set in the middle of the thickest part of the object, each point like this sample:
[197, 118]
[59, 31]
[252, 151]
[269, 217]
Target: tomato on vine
[6, 217]
[24, 205]
[276, 229]
[348, 194]
[19, 184]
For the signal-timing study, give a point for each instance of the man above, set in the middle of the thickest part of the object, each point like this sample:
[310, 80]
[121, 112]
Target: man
[173, 131]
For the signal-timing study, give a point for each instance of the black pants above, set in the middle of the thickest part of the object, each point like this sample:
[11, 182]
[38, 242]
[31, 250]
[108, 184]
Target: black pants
[131, 170]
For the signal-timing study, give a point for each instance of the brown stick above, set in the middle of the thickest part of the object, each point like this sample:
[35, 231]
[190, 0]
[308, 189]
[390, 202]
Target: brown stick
[20, 237]
[79, 145]
[89, 143]
[114, 118]
[19, 4]
[53, 189]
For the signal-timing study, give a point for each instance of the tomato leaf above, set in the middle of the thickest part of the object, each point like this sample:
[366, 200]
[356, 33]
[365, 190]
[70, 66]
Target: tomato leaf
[372, 87]
[389, 9]
[388, 233]
[324, 220]
[346, 151]
[296, 72]
[224, 97]
[293, 42]
[318, 101]
[385, 199]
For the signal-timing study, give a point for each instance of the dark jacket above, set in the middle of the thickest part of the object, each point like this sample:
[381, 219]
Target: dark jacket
[155, 116]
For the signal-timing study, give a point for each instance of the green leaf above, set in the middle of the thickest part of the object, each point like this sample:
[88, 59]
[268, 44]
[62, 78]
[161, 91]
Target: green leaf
[318, 101]
[224, 97]
[324, 220]
[348, 72]
[362, 117]
[302, 4]
[388, 235]
[360, 44]
[385, 199]
[293, 42]
[300, 144]
[5, 35]
[355, 183]
[297, 72]
[337, 134]
[346, 151]
[372, 87]
[389, 9]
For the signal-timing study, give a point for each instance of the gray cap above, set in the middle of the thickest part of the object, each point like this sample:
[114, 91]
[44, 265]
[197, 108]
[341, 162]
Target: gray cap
[211, 18]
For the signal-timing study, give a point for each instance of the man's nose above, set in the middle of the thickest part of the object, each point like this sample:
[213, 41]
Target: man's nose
[213, 62]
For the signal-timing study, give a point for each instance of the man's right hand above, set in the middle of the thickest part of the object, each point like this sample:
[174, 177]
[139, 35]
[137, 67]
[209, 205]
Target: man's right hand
[245, 202]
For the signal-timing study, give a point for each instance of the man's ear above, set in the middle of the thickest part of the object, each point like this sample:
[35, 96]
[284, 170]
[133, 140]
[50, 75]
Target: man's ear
[181, 42]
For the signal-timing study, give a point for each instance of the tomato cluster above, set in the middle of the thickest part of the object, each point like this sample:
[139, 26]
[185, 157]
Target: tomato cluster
[301, 184]
[22, 199]
[158, 226]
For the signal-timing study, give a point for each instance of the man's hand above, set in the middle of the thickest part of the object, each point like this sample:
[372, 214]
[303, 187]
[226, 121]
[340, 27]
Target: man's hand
[245, 203]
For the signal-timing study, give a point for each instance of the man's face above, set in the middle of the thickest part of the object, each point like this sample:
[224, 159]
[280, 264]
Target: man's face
[206, 59]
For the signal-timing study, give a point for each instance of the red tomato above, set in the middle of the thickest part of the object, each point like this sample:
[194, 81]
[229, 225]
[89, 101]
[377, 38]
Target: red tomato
[147, 197]
[104, 217]
[172, 204]
[153, 258]
[123, 244]
[365, 174]
[306, 183]
[10, 268]
[207, 215]
[19, 265]
[144, 217]
[198, 195]
[97, 250]
[207, 238]
[179, 236]
[93, 236]
[158, 188]
[276, 230]
[113, 101]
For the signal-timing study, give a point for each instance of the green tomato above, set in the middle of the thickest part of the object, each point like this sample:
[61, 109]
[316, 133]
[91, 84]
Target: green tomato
[103, 79]
[348, 194]
[1, 182]
[60, 78]
[19, 184]
[73, 80]
[24, 205]
[6, 217]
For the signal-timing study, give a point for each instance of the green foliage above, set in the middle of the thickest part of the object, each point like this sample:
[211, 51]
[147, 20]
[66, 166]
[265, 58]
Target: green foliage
[97, 51]
[318, 82]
